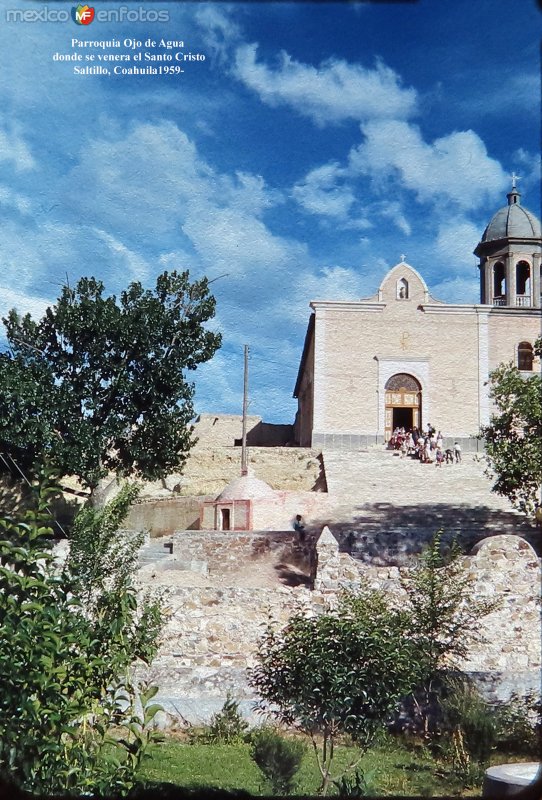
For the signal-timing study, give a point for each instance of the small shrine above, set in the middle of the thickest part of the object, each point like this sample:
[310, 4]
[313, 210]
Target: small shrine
[243, 505]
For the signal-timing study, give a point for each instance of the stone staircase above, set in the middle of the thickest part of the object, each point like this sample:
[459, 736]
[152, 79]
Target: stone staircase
[385, 508]
[155, 550]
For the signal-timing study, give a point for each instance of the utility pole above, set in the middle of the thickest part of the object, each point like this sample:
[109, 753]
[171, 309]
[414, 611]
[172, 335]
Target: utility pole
[244, 467]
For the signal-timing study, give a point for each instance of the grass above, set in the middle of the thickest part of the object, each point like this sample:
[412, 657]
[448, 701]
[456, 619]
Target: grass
[392, 769]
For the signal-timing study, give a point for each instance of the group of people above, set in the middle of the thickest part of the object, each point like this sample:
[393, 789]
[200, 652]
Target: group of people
[426, 444]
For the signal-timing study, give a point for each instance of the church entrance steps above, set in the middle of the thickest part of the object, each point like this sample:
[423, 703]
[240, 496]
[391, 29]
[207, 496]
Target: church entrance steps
[384, 508]
[375, 476]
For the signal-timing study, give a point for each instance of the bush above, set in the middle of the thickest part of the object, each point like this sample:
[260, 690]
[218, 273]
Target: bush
[357, 785]
[64, 672]
[518, 724]
[470, 720]
[227, 726]
[340, 673]
[278, 758]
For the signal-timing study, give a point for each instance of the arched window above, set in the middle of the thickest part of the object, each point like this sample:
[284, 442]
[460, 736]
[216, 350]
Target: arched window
[525, 357]
[498, 280]
[402, 289]
[402, 381]
[523, 279]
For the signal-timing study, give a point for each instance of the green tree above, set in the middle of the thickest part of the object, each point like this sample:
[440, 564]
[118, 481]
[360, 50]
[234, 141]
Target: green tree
[340, 673]
[512, 438]
[442, 616]
[278, 758]
[100, 568]
[98, 384]
[65, 671]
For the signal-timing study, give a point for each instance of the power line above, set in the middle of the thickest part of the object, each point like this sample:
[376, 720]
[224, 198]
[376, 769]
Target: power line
[24, 477]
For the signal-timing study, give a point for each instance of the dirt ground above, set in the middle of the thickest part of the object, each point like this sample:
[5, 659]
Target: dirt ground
[265, 572]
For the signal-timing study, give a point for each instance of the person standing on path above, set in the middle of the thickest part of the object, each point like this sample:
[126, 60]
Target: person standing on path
[457, 452]
[299, 527]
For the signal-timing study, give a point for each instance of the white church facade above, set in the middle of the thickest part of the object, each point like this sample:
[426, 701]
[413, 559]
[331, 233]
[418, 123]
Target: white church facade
[404, 358]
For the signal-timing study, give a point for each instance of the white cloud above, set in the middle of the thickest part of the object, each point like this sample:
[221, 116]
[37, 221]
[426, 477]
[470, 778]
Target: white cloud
[122, 259]
[529, 165]
[13, 149]
[453, 168]
[392, 210]
[218, 386]
[321, 192]
[24, 303]
[249, 193]
[29, 253]
[153, 182]
[219, 30]
[236, 242]
[332, 191]
[11, 199]
[330, 93]
[517, 91]
[455, 242]
[329, 283]
[457, 290]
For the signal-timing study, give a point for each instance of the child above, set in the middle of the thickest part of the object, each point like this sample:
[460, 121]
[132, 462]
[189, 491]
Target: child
[299, 527]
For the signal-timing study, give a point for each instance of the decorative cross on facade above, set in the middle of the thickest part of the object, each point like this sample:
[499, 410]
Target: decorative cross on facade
[402, 256]
[514, 179]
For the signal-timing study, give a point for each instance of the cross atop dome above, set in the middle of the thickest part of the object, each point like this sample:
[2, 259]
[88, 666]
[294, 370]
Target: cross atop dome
[514, 194]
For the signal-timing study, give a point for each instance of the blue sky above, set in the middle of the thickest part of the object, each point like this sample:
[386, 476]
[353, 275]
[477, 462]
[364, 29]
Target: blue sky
[314, 145]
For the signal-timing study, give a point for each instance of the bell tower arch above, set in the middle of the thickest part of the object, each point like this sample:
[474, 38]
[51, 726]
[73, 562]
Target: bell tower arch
[510, 255]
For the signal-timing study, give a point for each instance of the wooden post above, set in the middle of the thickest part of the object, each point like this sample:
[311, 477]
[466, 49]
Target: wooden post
[244, 466]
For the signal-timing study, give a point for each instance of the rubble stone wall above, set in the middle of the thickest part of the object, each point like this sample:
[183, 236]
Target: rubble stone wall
[212, 633]
[224, 551]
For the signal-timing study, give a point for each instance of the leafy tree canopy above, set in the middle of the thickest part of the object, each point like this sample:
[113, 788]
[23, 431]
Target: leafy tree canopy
[513, 436]
[98, 384]
[441, 613]
[65, 660]
[340, 673]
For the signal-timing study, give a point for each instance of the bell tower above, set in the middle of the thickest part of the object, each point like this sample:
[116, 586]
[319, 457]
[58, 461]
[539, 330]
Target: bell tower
[510, 254]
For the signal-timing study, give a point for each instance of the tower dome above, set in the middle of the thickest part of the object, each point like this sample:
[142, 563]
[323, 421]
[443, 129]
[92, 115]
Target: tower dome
[513, 221]
[510, 253]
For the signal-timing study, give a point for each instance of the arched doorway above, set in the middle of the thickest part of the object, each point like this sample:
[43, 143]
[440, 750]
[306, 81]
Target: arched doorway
[403, 398]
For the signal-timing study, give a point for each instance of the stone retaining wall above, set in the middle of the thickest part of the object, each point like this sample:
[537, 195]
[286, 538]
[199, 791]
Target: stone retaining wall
[212, 633]
[225, 551]
[163, 516]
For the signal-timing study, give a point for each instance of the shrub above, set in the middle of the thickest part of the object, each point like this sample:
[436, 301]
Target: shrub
[470, 720]
[357, 785]
[227, 726]
[278, 758]
[518, 724]
[443, 617]
[64, 672]
[340, 673]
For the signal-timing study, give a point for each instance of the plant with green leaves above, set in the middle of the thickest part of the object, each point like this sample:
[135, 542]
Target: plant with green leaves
[65, 672]
[512, 438]
[278, 758]
[470, 718]
[339, 673]
[226, 726]
[101, 563]
[99, 385]
[443, 617]
[359, 784]
[518, 722]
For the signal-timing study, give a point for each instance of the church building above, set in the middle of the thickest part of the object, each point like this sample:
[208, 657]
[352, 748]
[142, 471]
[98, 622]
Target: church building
[402, 358]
